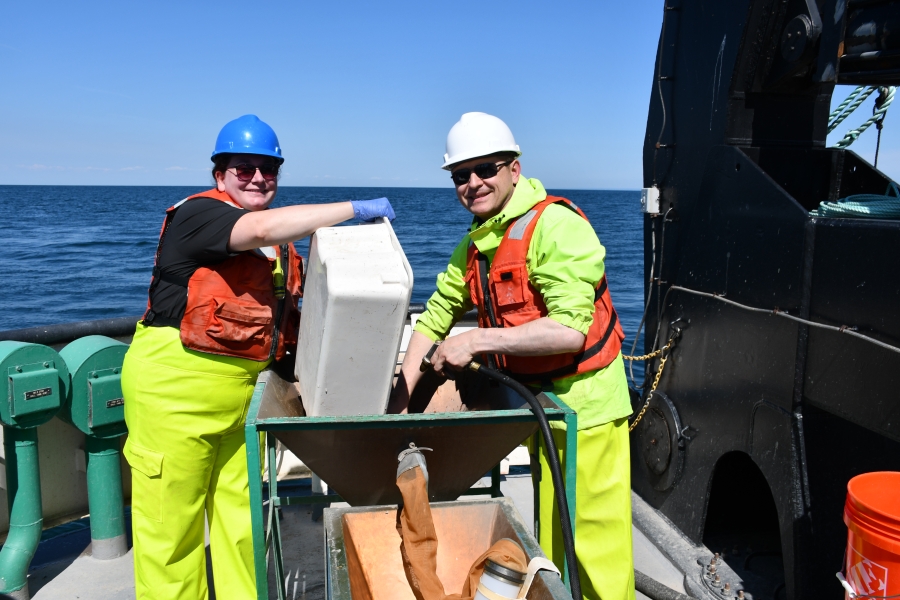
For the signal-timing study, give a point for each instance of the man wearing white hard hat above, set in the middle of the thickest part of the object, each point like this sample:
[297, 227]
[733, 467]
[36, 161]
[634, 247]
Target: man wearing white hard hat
[533, 267]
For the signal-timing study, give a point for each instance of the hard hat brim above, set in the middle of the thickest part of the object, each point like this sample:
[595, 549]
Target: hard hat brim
[452, 161]
[248, 151]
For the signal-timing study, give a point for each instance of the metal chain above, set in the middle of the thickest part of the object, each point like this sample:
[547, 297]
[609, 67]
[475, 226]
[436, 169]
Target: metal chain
[662, 365]
[644, 356]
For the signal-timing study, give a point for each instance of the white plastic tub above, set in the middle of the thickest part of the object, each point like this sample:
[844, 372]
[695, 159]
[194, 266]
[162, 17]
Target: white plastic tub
[355, 304]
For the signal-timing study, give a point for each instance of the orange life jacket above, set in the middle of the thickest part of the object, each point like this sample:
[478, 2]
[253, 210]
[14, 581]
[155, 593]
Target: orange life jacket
[233, 307]
[512, 300]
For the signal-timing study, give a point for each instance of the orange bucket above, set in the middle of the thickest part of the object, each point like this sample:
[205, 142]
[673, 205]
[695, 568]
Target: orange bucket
[872, 515]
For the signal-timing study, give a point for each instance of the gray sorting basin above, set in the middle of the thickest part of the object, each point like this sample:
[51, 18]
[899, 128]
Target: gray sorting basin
[363, 549]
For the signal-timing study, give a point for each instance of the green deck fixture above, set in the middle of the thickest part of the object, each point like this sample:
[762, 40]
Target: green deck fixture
[357, 456]
[37, 381]
[96, 407]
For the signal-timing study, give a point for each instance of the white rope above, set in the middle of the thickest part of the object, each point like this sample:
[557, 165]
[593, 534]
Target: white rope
[780, 313]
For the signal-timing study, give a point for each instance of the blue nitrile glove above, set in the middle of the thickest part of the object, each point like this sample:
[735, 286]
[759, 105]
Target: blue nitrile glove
[370, 210]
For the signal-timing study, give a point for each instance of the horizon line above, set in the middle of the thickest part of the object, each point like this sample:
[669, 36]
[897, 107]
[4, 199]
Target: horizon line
[408, 187]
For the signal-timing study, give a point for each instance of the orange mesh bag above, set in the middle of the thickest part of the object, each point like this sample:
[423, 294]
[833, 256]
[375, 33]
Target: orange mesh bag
[419, 544]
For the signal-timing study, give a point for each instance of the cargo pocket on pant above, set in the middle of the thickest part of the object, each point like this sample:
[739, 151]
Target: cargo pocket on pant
[146, 480]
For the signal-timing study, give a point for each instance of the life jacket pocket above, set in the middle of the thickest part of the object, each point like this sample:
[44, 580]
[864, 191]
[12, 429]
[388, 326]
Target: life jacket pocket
[234, 321]
[509, 284]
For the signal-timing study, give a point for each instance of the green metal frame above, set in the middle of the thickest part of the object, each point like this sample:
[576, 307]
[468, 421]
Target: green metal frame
[266, 527]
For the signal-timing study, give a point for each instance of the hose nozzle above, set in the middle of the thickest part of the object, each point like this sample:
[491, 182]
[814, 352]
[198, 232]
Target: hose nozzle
[426, 360]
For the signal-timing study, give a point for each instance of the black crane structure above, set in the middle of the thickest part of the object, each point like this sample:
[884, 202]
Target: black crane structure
[759, 422]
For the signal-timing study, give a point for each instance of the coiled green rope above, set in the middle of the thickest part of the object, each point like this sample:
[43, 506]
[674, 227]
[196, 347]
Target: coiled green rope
[864, 206]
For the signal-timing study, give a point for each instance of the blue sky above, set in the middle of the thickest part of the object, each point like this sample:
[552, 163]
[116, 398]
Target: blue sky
[360, 93]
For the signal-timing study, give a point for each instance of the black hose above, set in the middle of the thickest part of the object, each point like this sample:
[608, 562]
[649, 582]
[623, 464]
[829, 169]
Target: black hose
[555, 470]
[64, 333]
[417, 308]
[654, 589]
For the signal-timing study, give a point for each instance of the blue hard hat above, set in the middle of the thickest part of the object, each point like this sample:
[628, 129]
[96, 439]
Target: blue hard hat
[248, 135]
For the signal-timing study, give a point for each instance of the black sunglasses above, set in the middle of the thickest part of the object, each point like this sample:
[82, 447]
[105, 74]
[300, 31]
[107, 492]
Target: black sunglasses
[483, 171]
[248, 172]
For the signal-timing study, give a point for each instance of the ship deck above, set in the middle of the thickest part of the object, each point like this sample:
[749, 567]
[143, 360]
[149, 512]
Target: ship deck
[65, 570]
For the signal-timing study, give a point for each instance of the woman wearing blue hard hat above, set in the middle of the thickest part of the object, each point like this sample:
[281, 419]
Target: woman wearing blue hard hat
[222, 306]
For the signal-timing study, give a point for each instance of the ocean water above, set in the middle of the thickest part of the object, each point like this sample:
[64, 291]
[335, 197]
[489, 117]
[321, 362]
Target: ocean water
[73, 253]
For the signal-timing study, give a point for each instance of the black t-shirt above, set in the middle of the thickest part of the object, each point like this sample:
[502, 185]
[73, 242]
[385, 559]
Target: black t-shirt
[197, 236]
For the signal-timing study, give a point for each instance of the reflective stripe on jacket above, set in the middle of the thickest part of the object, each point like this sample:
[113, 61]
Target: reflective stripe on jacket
[505, 297]
[232, 306]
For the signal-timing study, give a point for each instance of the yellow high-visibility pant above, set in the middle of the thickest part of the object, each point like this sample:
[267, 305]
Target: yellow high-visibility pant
[185, 412]
[602, 511]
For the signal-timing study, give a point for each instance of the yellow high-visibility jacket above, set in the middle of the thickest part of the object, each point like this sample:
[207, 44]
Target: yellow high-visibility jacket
[565, 263]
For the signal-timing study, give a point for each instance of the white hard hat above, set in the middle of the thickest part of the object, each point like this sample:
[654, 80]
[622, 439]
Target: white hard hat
[478, 134]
